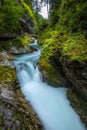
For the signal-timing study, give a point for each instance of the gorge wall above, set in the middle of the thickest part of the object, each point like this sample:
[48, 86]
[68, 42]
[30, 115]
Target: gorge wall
[64, 41]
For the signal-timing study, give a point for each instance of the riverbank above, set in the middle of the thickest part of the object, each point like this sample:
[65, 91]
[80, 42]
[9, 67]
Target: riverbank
[15, 112]
[60, 57]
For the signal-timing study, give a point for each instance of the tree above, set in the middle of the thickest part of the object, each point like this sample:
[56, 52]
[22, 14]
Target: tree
[28, 2]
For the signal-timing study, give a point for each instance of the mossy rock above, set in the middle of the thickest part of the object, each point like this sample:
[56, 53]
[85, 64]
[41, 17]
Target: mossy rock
[22, 41]
[78, 104]
[7, 74]
[18, 42]
[50, 74]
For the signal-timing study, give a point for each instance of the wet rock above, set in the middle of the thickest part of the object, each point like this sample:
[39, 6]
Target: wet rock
[71, 74]
[6, 59]
[21, 50]
[76, 73]
[52, 72]
[15, 112]
[27, 24]
[33, 122]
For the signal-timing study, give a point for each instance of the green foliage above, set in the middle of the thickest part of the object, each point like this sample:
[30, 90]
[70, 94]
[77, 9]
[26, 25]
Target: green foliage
[73, 46]
[54, 16]
[29, 11]
[50, 73]
[10, 15]
[72, 15]
[28, 2]
[53, 42]
[66, 36]
[41, 23]
[22, 40]
[19, 41]
[67, 31]
[69, 14]
[76, 48]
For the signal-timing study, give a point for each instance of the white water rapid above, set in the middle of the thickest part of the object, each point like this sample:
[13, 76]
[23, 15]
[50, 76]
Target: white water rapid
[50, 103]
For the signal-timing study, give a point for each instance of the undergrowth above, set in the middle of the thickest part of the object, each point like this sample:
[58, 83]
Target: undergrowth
[71, 45]
[22, 40]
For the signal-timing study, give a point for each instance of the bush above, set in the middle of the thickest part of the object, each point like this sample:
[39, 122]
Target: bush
[10, 15]
[22, 40]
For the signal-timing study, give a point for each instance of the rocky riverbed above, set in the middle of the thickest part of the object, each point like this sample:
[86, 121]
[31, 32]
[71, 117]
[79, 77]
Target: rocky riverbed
[15, 112]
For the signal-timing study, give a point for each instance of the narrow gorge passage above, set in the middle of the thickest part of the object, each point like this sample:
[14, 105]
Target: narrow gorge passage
[51, 104]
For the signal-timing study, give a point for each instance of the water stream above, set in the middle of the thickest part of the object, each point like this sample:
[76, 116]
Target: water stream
[51, 104]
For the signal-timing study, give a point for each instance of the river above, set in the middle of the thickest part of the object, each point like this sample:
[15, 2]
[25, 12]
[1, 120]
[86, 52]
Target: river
[51, 104]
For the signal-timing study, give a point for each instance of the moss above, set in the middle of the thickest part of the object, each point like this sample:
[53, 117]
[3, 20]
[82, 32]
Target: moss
[78, 104]
[22, 40]
[69, 33]
[50, 73]
[7, 74]
[70, 45]
[23, 119]
[53, 42]
[72, 15]
[29, 10]
[0, 128]
[19, 41]
[75, 48]
[10, 14]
